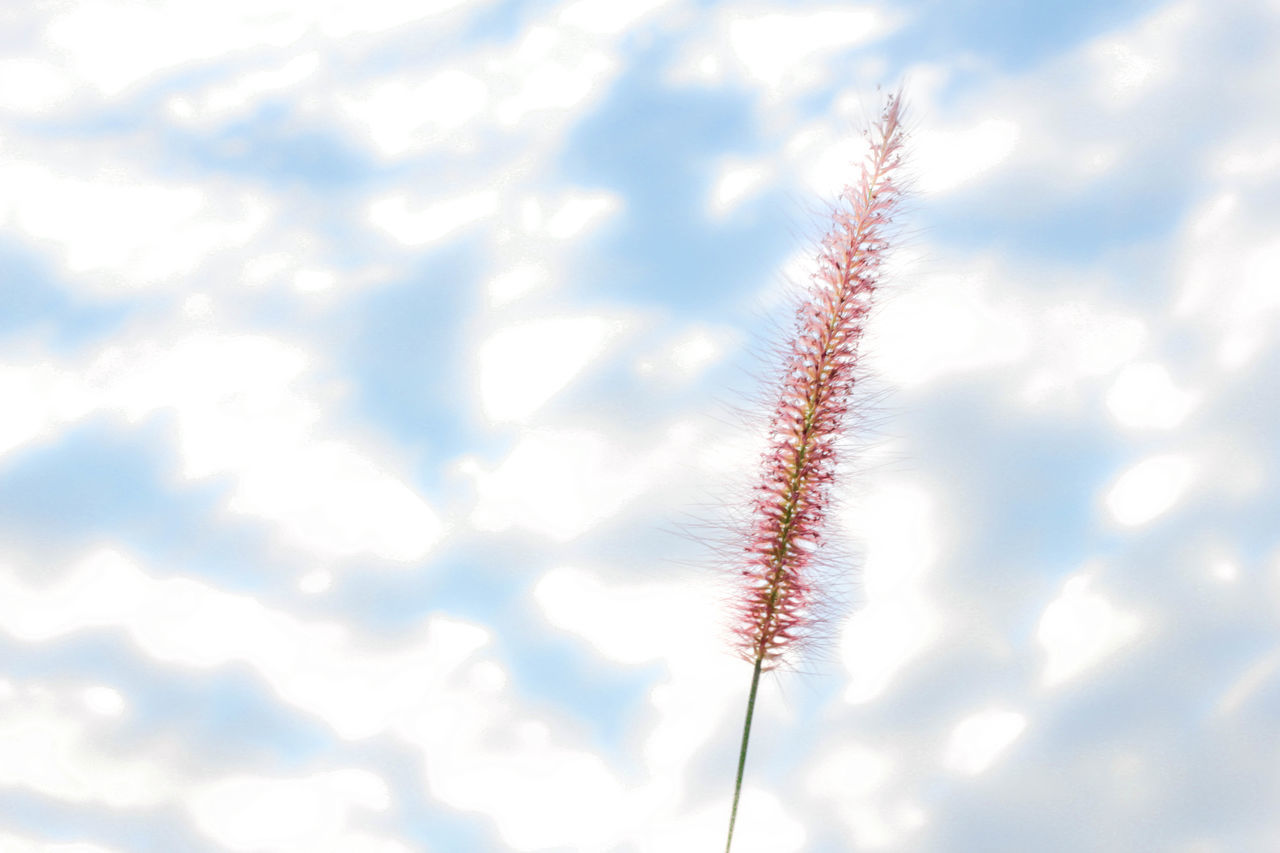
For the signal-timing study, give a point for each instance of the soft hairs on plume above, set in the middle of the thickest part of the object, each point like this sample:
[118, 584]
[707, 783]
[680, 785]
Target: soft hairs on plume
[778, 600]
[776, 605]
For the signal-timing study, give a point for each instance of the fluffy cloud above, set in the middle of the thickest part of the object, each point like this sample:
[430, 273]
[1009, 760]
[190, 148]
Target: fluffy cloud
[50, 746]
[243, 409]
[437, 691]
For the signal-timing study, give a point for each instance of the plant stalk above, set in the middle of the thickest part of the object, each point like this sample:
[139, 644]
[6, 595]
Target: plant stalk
[742, 756]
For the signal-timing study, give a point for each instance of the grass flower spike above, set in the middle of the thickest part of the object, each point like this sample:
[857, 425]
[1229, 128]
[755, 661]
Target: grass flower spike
[778, 600]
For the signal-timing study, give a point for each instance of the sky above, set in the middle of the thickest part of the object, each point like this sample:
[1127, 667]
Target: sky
[378, 380]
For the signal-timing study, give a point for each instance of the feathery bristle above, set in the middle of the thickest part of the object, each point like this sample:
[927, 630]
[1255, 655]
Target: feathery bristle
[777, 605]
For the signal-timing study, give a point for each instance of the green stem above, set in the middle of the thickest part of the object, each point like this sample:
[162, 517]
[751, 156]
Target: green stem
[742, 756]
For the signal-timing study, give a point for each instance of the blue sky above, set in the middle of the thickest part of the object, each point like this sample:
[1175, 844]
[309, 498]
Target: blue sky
[378, 377]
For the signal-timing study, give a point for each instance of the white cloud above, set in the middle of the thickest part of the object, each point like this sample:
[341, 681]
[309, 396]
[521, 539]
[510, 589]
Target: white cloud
[933, 324]
[255, 813]
[122, 230]
[339, 19]
[1257, 674]
[785, 52]
[522, 366]
[1255, 158]
[32, 85]
[227, 100]
[512, 284]
[314, 280]
[826, 158]
[533, 85]
[736, 182]
[557, 484]
[38, 396]
[417, 225]
[575, 212]
[1149, 489]
[332, 500]
[685, 357]
[1229, 264]
[550, 71]
[1143, 396]
[631, 623]
[1224, 570]
[897, 525]
[850, 772]
[1107, 92]
[538, 232]
[435, 690]
[314, 583]
[771, 45]
[578, 212]
[11, 843]
[1079, 340]
[1128, 64]
[49, 746]
[947, 323]
[242, 409]
[694, 351]
[1081, 628]
[401, 115]
[856, 781]
[608, 17]
[189, 623]
[977, 741]
[103, 701]
[943, 160]
[46, 748]
[115, 45]
[541, 795]
[1124, 72]
[681, 623]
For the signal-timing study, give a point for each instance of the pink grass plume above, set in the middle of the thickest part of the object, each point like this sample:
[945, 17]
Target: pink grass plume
[778, 599]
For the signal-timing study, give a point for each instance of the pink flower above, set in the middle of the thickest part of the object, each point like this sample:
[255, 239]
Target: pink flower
[779, 600]
[777, 604]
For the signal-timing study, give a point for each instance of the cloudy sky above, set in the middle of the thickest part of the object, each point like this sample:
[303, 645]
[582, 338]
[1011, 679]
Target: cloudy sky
[377, 379]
